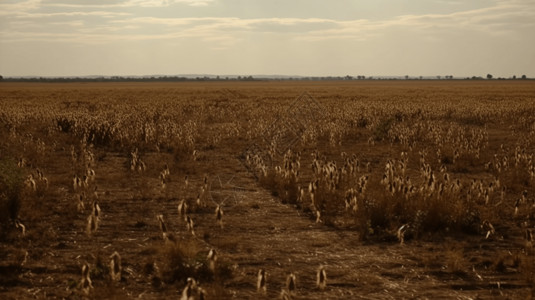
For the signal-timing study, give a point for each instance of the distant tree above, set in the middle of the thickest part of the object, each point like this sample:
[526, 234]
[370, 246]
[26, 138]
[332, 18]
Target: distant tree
[514, 76]
[1, 78]
[489, 76]
[438, 77]
[524, 77]
[406, 77]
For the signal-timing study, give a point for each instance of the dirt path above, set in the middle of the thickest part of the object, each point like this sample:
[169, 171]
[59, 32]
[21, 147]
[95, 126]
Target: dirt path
[259, 232]
[280, 239]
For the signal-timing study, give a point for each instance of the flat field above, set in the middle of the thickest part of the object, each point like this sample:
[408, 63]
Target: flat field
[398, 189]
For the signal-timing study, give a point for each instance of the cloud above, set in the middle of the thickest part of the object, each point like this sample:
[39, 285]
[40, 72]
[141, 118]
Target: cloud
[503, 19]
[7, 9]
[163, 3]
[106, 14]
[125, 3]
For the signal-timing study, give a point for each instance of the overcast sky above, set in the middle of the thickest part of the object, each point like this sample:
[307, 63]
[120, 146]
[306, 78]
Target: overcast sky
[284, 37]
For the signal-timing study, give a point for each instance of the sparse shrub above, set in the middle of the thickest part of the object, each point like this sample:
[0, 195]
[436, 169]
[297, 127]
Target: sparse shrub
[438, 215]
[378, 215]
[362, 122]
[179, 262]
[501, 264]
[182, 152]
[288, 190]
[185, 259]
[446, 160]
[469, 221]
[11, 184]
[100, 270]
[399, 116]
[516, 179]
[329, 203]
[456, 262]
[271, 183]
[285, 189]
[380, 131]
[448, 115]
[471, 120]
[65, 124]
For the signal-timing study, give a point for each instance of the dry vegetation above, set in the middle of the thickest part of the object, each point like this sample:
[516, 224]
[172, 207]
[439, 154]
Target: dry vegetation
[186, 190]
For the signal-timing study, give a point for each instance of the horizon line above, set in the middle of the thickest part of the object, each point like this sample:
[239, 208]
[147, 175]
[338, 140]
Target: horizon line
[257, 76]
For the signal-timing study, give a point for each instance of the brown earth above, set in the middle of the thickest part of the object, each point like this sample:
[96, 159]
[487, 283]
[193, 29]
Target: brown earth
[259, 231]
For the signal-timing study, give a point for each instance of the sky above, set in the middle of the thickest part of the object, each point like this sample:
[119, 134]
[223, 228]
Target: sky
[269, 37]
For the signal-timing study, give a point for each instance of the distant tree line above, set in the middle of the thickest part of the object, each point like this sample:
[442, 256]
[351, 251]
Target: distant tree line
[490, 77]
[234, 78]
[95, 79]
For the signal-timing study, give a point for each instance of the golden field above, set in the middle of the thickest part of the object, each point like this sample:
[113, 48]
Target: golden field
[398, 189]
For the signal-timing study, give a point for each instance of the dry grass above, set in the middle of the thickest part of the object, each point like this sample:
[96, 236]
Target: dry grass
[11, 185]
[443, 159]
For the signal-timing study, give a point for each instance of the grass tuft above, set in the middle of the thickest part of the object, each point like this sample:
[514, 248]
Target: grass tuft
[11, 185]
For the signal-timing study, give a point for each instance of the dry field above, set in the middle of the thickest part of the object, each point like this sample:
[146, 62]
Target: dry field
[398, 189]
